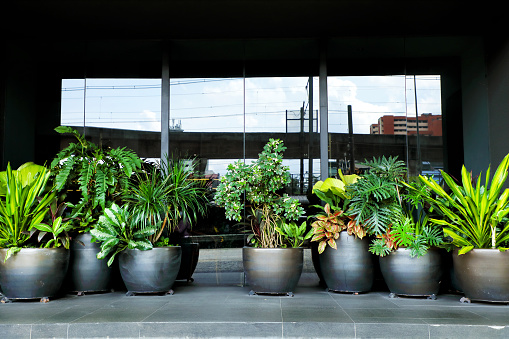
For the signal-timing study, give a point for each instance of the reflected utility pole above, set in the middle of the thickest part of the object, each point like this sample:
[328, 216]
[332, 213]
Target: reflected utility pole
[350, 140]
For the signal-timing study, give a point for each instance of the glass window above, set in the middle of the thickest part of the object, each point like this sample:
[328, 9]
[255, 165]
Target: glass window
[386, 119]
[115, 112]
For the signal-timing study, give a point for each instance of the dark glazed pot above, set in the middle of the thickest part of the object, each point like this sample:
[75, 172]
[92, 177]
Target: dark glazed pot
[190, 254]
[273, 270]
[33, 273]
[86, 272]
[350, 267]
[483, 274]
[152, 271]
[407, 276]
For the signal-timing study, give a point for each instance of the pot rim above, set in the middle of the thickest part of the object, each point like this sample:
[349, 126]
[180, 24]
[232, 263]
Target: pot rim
[34, 249]
[153, 248]
[274, 248]
[456, 250]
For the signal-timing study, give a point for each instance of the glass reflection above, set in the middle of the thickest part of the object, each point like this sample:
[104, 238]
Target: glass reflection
[115, 112]
[384, 121]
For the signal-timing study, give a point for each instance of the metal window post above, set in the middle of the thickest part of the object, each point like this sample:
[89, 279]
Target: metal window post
[165, 103]
[324, 112]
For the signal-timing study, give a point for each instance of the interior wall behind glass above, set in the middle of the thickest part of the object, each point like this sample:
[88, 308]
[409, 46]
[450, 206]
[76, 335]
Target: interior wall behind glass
[115, 112]
[384, 122]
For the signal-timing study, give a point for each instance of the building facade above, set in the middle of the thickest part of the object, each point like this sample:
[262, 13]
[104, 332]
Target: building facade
[47, 42]
[427, 124]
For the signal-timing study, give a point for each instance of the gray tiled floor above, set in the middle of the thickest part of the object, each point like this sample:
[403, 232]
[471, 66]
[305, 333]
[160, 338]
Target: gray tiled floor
[199, 310]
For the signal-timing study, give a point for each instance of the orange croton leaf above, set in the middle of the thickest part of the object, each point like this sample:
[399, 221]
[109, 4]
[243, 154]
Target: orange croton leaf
[327, 208]
[321, 246]
[332, 243]
[318, 237]
[389, 240]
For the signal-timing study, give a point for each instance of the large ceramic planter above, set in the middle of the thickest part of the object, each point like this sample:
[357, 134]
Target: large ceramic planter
[272, 270]
[190, 254]
[152, 271]
[86, 272]
[33, 273]
[417, 276]
[349, 268]
[483, 274]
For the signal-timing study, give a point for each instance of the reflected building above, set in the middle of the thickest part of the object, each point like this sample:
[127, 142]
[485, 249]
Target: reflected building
[428, 124]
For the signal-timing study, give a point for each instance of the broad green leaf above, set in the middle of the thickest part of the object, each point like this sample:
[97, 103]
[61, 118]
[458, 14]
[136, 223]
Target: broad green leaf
[465, 249]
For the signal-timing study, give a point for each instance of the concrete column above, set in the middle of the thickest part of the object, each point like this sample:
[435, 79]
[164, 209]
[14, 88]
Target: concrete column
[475, 108]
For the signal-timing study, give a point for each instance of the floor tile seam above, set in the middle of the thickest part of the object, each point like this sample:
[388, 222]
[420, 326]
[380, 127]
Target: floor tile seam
[282, 318]
[479, 315]
[341, 307]
[90, 312]
[161, 307]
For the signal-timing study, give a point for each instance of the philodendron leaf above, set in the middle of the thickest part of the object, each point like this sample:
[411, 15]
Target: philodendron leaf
[503, 249]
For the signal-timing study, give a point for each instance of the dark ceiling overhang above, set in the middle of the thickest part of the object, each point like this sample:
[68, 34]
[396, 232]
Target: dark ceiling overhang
[245, 19]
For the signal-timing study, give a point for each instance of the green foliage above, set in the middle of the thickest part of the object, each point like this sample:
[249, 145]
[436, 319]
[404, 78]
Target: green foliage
[375, 200]
[187, 198]
[259, 184]
[418, 236]
[23, 206]
[97, 173]
[57, 226]
[58, 230]
[295, 235]
[332, 191]
[161, 197]
[474, 214]
[116, 232]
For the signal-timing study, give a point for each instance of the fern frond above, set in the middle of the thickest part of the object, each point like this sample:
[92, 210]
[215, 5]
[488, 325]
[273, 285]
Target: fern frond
[64, 174]
[100, 188]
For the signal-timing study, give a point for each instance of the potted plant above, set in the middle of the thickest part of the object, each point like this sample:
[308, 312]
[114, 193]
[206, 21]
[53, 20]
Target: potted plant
[410, 256]
[154, 201]
[405, 243]
[474, 216]
[344, 261]
[91, 177]
[28, 271]
[188, 200]
[269, 264]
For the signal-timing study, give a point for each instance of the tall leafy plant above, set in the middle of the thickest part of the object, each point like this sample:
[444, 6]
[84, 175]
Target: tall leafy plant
[260, 184]
[97, 173]
[24, 202]
[474, 213]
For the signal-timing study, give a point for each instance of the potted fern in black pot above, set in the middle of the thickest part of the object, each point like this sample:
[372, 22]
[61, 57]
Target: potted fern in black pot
[91, 177]
[405, 242]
